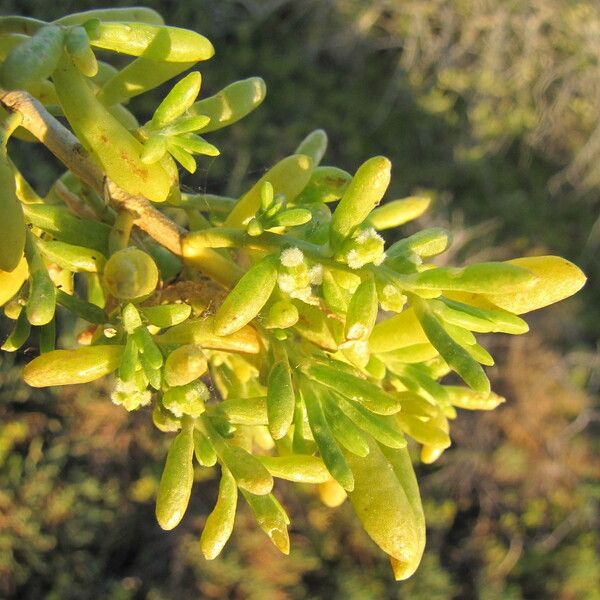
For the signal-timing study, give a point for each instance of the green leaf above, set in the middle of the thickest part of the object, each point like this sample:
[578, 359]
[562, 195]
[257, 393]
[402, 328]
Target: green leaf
[231, 104]
[247, 298]
[370, 395]
[328, 448]
[314, 146]
[362, 195]
[396, 213]
[219, 524]
[280, 399]
[177, 101]
[175, 487]
[457, 357]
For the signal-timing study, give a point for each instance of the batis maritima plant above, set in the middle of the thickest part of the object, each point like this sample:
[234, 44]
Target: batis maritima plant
[273, 334]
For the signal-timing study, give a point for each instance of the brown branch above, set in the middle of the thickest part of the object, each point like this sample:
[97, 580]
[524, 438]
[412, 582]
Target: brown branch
[65, 146]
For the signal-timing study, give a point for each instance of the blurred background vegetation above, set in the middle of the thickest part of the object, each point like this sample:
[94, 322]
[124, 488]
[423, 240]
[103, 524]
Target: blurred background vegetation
[493, 108]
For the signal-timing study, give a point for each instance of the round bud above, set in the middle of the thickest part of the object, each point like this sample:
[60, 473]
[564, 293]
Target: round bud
[184, 365]
[282, 314]
[130, 274]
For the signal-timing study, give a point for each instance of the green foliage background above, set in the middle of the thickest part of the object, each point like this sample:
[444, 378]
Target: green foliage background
[492, 107]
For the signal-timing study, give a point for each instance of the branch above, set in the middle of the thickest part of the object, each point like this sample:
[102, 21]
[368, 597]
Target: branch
[65, 146]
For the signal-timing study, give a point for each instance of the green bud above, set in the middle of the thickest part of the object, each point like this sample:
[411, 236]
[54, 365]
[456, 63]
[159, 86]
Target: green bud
[152, 376]
[148, 347]
[282, 314]
[390, 296]
[336, 297]
[130, 274]
[266, 196]
[184, 365]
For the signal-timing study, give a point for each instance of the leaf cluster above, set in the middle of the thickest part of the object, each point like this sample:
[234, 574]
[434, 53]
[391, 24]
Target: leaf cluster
[284, 340]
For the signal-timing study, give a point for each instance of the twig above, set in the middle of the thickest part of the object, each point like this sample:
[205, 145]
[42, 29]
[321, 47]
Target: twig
[65, 146]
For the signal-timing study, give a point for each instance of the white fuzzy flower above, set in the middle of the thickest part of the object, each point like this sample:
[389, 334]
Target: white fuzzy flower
[292, 257]
[316, 274]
